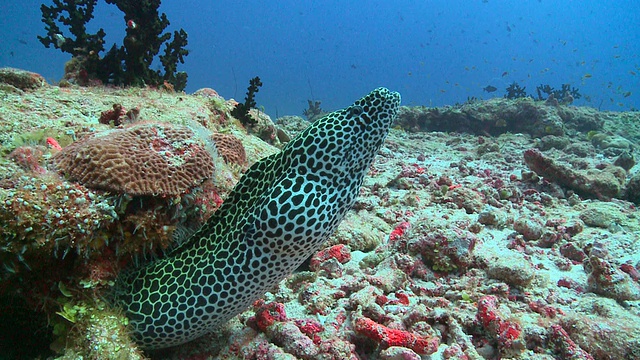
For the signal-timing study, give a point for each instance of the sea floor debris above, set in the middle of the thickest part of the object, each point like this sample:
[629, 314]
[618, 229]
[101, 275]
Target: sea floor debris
[458, 247]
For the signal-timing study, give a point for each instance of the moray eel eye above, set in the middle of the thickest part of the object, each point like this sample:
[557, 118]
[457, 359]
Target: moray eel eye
[355, 110]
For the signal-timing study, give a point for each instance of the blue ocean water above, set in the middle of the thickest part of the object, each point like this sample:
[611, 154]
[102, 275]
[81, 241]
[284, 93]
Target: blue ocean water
[434, 52]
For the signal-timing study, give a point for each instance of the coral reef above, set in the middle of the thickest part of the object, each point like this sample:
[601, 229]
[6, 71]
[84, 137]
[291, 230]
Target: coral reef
[129, 64]
[553, 271]
[500, 115]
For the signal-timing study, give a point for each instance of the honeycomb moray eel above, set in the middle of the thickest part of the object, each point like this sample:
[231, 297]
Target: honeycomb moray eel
[280, 213]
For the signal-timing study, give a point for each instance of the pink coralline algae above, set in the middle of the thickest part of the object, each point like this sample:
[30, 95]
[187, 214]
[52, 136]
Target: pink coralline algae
[339, 252]
[399, 230]
[267, 314]
[302, 338]
[506, 332]
[29, 158]
[607, 280]
[565, 346]
[388, 337]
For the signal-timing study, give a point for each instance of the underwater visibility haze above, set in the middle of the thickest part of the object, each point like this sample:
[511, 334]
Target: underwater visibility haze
[434, 52]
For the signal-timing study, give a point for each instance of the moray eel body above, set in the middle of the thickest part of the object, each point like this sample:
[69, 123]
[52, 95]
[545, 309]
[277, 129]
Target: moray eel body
[281, 212]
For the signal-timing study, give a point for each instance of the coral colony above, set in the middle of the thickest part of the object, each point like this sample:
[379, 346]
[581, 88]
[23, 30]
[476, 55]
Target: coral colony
[241, 111]
[127, 64]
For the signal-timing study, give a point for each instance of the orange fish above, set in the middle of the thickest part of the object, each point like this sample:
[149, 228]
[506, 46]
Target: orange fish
[53, 143]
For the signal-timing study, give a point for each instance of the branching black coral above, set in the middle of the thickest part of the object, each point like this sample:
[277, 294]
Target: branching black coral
[515, 91]
[241, 111]
[74, 14]
[564, 95]
[129, 64]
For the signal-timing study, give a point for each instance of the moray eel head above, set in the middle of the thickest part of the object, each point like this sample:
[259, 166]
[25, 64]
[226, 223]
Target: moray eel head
[280, 213]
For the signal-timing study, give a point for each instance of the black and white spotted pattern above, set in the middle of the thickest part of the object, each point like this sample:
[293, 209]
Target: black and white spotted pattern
[280, 213]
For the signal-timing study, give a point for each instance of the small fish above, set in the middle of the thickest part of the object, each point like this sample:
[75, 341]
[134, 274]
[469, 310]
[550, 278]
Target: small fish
[490, 88]
[505, 73]
[587, 76]
[53, 143]
[60, 39]
[627, 94]
[632, 72]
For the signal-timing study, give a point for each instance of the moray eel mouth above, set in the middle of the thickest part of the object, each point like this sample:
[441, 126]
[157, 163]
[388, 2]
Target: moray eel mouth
[280, 213]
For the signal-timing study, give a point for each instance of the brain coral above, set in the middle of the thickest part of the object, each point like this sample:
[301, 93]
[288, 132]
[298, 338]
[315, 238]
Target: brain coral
[145, 159]
[230, 148]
